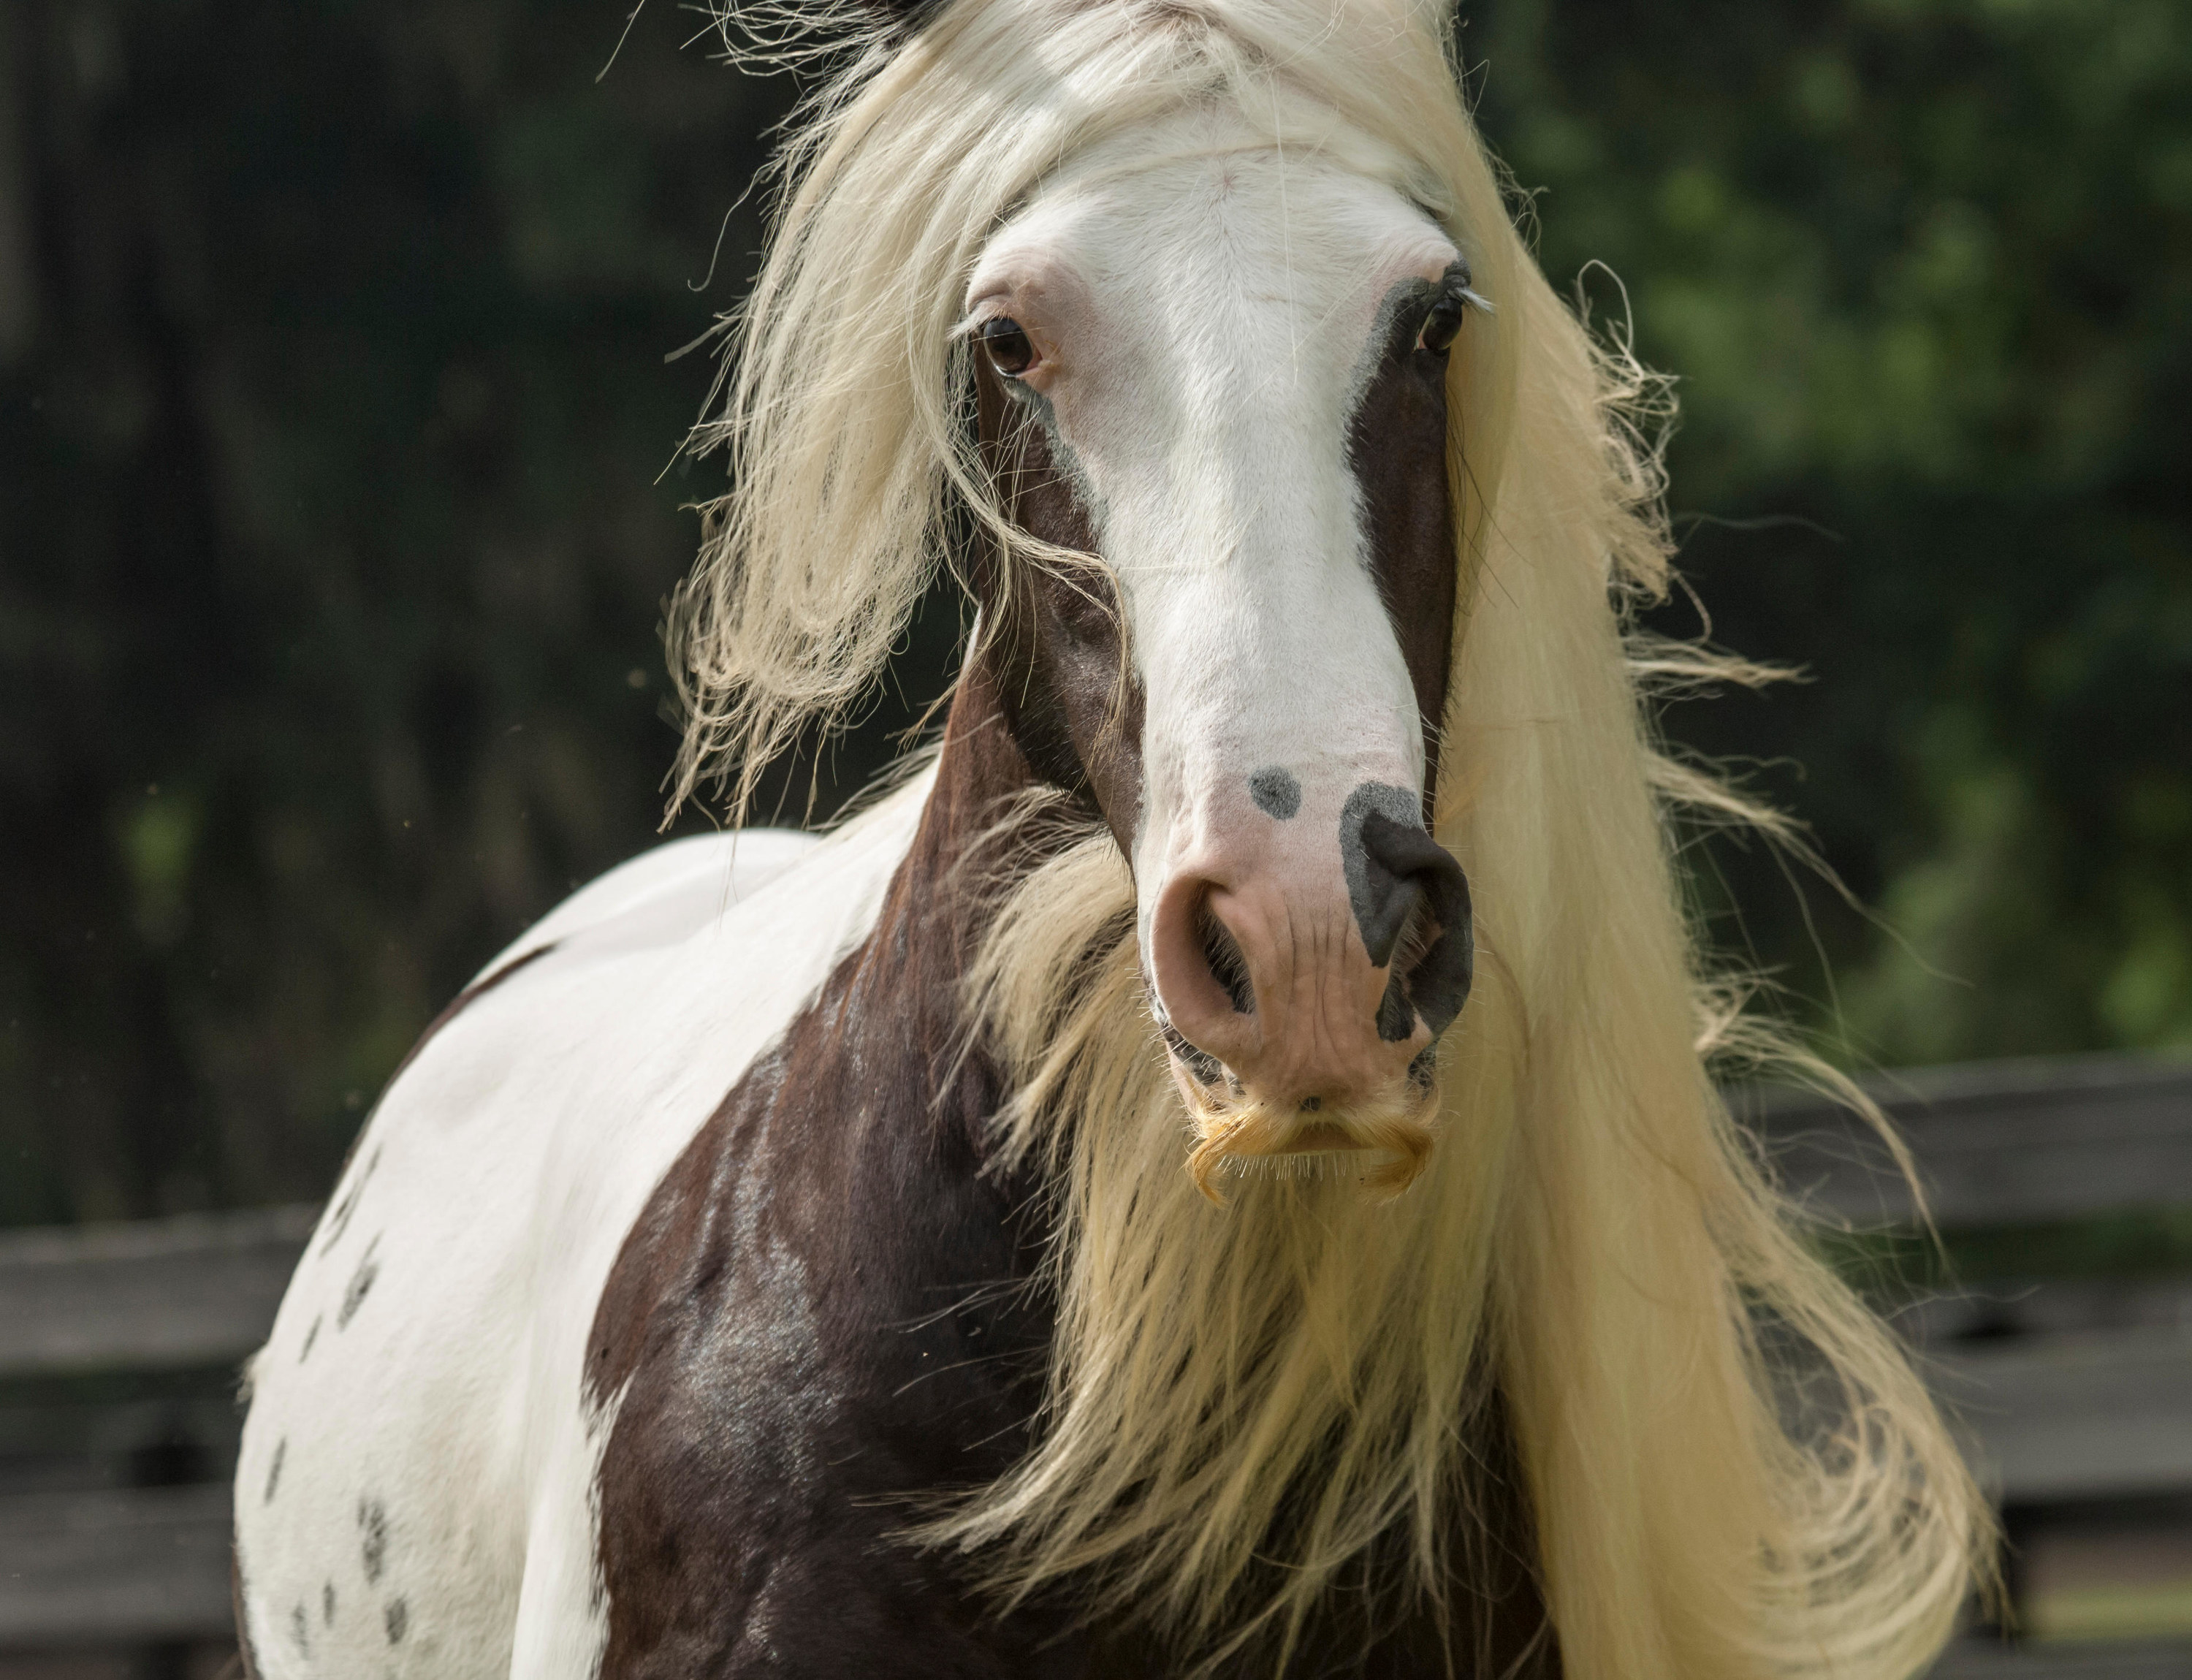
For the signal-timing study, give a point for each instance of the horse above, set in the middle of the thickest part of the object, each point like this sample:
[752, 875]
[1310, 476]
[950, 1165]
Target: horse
[1216, 1168]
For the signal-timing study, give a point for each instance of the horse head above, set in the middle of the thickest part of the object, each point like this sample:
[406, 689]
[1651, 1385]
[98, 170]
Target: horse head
[1211, 382]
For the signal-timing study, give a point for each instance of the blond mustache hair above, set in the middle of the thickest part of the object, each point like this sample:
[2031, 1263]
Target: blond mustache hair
[1383, 1141]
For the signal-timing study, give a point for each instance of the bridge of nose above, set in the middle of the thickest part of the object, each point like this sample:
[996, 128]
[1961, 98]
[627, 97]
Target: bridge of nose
[1216, 452]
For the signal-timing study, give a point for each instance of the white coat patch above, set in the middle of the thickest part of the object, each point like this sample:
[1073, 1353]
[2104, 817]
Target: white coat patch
[415, 1496]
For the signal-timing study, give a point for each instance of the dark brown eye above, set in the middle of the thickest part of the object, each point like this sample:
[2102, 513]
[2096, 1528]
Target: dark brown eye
[1007, 342]
[1441, 326]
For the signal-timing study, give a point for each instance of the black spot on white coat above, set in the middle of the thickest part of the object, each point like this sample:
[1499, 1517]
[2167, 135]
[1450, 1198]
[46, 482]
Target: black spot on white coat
[338, 1220]
[274, 1468]
[360, 1281]
[397, 1618]
[373, 1537]
[311, 1336]
[328, 1604]
[300, 1629]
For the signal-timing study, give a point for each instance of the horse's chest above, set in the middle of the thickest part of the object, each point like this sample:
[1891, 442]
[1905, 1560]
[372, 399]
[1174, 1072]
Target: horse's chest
[814, 1325]
[789, 1338]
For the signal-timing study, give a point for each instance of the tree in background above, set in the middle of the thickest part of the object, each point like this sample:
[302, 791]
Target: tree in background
[334, 518]
[331, 541]
[1924, 270]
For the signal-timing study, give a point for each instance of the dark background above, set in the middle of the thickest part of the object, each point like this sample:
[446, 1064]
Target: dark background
[339, 493]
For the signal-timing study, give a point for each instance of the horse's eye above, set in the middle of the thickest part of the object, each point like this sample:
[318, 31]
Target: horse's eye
[1441, 326]
[1007, 342]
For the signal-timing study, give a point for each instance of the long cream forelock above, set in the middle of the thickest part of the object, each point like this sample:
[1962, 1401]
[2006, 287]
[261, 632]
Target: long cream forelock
[1248, 1405]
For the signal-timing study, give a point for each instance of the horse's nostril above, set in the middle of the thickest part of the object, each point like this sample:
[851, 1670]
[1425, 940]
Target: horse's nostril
[1379, 867]
[1395, 867]
[1221, 951]
[1390, 890]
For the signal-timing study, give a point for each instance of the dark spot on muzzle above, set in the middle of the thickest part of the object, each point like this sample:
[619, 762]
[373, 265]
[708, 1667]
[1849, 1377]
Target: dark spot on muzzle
[1276, 791]
[1392, 867]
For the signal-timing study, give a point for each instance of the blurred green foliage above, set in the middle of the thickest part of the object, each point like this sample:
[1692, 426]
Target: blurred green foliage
[334, 528]
[1924, 268]
[339, 493]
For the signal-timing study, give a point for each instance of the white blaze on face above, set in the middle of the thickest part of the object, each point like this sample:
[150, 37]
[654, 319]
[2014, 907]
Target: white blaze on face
[1206, 325]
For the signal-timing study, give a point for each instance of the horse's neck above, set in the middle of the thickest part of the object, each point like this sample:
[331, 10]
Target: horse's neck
[815, 1316]
[934, 915]
[929, 1085]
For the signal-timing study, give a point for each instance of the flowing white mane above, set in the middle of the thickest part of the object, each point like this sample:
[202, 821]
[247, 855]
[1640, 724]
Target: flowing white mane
[1243, 1401]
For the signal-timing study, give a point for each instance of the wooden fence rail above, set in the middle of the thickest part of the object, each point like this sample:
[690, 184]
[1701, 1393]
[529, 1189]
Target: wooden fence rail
[2072, 1389]
[2076, 1394]
[2000, 1143]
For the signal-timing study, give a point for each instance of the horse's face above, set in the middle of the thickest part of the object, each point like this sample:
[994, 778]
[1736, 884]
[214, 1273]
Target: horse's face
[1225, 374]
